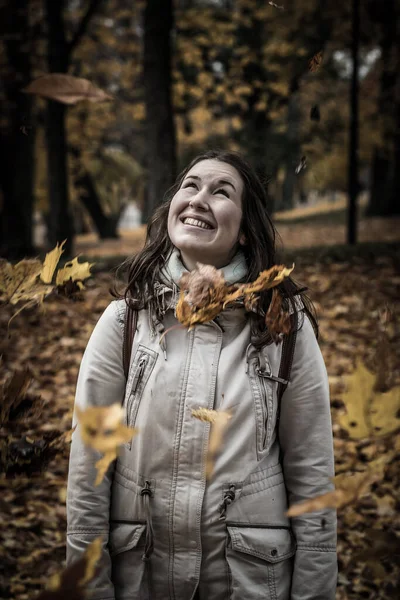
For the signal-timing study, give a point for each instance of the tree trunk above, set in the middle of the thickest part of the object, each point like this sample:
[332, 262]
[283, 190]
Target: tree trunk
[17, 137]
[292, 152]
[161, 142]
[60, 217]
[353, 143]
[385, 163]
[106, 226]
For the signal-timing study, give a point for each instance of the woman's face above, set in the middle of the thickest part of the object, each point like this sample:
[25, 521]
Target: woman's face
[205, 214]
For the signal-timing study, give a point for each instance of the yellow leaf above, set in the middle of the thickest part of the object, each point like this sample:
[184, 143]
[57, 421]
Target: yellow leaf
[348, 490]
[101, 427]
[369, 413]
[103, 464]
[218, 420]
[92, 556]
[73, 270]
[17, 280]
[51, 262]
[66, 89]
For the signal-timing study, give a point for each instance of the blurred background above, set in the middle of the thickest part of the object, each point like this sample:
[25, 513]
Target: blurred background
[308, 91]
[102, 103]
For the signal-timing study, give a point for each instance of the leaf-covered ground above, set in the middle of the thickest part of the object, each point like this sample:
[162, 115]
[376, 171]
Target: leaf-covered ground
[349, 297]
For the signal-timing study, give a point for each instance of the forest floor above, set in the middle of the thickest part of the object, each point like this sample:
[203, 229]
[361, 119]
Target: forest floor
[349, 295]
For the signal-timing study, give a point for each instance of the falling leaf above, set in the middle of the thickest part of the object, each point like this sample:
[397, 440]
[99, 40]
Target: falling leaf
[71, 583]
[66, 89]
[277, 319]
[349, 489]
[13, 393]
[368, 412]
[16, 282]
[201, 282]
[315, 114]
[92, 556]
[218, 420]
[101, 427]
[276, 5]
[51, 262]
[302, 165]
[102, 465]
[74, 271]
[316, 62]
[209, 294]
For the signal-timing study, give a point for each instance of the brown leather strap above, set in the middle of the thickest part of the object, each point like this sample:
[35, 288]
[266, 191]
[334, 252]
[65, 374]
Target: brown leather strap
[130, 324]
[288, 347]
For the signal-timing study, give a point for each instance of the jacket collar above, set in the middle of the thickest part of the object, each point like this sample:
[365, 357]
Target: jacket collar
[235, 272]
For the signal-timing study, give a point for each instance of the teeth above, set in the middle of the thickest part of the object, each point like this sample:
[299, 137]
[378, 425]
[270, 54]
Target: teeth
[196, 223]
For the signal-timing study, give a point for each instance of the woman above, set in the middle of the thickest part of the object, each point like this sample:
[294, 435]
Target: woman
[168, 531]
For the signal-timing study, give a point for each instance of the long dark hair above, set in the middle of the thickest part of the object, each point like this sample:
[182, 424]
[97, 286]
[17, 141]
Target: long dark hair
[144, 269]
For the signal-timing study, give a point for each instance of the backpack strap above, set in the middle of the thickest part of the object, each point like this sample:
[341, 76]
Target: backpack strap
[130, 325]
[288, 347]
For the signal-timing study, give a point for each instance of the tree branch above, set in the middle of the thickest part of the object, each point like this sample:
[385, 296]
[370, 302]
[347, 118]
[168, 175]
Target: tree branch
[81, 30]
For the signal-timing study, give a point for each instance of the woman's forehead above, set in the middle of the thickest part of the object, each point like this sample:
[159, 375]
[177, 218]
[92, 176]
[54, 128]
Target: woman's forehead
[215, 169]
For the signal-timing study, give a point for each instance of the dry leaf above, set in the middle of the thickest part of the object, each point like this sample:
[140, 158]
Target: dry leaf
[92, 556]
[102, 465]
[302, 165]
[369, 413]
[16, 282]
[51, 262]
[280, 7]
[13, 393]
[348, 490]
[101, 427]
[204, 292]
[66, 89]
[73, 270]
[218, 420]
[277, 319]
[316, 62]
[71, 583]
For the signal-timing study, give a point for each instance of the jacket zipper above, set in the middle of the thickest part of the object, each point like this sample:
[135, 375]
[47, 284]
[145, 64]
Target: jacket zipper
[135, 384]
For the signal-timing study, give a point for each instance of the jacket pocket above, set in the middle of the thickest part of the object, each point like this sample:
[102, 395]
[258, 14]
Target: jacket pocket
[126, 545]
[142, 366]
[260, 562]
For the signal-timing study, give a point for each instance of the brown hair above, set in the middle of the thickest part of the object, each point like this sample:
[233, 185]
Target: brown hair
[260, 252]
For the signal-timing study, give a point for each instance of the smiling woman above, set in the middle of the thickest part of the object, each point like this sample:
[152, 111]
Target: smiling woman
[172, 531]
[205, 215]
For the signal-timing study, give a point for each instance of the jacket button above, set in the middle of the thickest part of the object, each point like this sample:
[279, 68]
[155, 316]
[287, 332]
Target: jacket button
[274, 552]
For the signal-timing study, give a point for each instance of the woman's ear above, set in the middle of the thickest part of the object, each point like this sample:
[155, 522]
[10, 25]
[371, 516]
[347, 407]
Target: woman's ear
[242, 239]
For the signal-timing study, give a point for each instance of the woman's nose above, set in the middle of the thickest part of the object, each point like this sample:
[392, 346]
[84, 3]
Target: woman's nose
[200, 200]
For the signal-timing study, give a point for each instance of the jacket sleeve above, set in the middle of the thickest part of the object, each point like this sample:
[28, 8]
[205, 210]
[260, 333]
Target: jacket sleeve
[101, 382]
[305, 434]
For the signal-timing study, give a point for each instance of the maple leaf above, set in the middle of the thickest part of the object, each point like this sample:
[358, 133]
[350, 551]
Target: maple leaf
[18, 281]
[277, 319]
[368, 412]
[101, 429]
[74, 271]
[218, 420]
[316, 62]
[209, 294]
[348, 490]
[66, 89]
[13, 401]
[50, 263]
[71, 583]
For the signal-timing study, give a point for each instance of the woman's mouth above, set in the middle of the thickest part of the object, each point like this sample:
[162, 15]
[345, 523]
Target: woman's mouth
[196, 223]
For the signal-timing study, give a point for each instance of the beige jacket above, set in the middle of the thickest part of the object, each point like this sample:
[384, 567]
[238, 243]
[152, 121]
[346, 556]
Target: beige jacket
[167, 531]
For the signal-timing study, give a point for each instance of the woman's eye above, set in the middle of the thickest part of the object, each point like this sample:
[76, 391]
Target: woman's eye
[224, 192]
[190, 184]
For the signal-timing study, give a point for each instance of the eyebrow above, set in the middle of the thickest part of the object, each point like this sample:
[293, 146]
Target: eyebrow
[219, 182]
